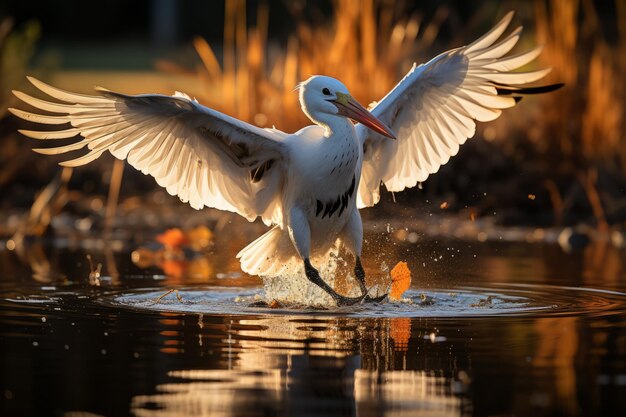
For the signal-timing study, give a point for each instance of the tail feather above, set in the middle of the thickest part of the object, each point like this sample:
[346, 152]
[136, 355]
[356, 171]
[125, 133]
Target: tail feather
[269, 255]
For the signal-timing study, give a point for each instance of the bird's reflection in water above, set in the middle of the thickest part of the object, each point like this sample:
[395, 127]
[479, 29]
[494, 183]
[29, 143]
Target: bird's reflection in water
[308, 366]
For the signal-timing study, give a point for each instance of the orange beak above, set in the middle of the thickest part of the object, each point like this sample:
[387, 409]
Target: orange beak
[352, 109]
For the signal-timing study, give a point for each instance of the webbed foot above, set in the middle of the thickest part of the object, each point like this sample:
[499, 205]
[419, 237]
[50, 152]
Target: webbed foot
[313, 275]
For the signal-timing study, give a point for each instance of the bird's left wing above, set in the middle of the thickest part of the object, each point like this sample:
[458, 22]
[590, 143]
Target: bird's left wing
[201, 155]
[432, 110]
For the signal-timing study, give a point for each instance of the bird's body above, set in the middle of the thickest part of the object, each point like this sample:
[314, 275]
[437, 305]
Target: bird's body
[322, 176]
[311, 184]
[321, 182]
[320, 189]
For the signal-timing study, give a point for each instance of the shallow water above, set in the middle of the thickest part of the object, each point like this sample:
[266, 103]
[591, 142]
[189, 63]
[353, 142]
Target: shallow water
[486, 329]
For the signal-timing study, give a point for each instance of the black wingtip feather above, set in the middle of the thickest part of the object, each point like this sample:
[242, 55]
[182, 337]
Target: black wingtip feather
[505, 90]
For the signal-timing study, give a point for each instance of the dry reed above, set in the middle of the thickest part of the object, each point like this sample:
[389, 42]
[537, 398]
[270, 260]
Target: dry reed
[581, 129]
[368, 46]
[584, 122]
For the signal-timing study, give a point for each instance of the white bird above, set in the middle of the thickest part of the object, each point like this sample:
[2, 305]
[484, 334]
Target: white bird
[310, 184]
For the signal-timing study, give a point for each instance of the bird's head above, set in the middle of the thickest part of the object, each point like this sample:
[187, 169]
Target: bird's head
[321, 96]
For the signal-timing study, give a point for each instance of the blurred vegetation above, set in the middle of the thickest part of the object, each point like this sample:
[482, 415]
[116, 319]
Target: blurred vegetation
[571, 142]
[581, 131]
[16, 49]
[367, 47]
[17, 46]
[555, 160]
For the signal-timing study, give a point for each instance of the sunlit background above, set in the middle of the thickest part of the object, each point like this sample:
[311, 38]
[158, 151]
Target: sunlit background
[555, 160]
[535, 202]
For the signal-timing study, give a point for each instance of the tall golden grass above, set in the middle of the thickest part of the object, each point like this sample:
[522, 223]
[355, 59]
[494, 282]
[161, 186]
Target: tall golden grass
[367, 45]
[581, 130]
[586, 121]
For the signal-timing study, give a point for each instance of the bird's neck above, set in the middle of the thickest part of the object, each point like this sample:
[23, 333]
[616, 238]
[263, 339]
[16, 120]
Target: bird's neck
[334, 125]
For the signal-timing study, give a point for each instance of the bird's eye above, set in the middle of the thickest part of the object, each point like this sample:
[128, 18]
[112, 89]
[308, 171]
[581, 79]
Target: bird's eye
[326, 91]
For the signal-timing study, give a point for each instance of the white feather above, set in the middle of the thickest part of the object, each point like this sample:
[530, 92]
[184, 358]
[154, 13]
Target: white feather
[434, 107]
[168, 138]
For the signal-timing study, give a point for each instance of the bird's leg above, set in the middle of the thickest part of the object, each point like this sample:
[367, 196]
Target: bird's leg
[300, 234]
[313, 275]
[359, 272]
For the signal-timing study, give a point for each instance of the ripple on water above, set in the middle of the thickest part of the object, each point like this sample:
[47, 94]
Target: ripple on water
[466, 301]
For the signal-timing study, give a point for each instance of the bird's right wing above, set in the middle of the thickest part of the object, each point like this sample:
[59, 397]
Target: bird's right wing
[201, 155]
[434, 108]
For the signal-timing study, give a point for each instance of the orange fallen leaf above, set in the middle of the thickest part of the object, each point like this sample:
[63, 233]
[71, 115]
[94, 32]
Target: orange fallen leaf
[400, 280]
[172, 238]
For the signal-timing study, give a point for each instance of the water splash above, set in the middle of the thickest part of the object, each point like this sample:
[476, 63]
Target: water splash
[497, 300]
[293, 287]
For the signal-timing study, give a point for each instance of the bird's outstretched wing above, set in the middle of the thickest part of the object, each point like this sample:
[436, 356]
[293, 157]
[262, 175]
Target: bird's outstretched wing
[432, 110]
[201, 155]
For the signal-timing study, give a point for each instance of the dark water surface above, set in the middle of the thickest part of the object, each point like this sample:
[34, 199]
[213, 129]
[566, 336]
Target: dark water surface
[507, 329]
